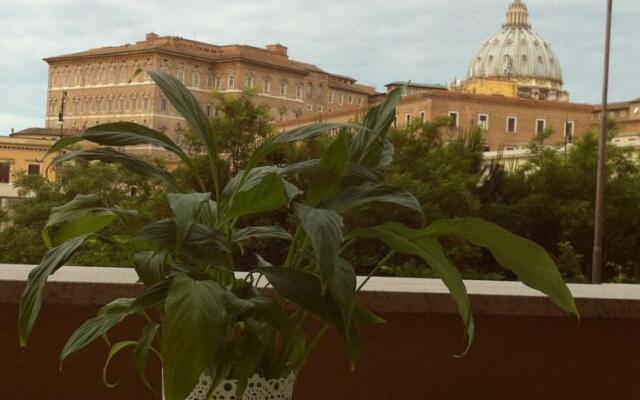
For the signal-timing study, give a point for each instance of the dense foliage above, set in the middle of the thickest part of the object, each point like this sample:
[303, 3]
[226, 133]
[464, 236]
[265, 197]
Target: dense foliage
[201, 315]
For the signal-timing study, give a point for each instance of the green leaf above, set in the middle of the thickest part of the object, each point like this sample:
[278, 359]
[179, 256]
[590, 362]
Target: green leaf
[528, 260]
[261, 232]
[403, 240]
[343, 289]
[259, 193]
[195, 316]
[115, 349]
[203, 237]
[324, 229]
[62, 144]
[368, 147]
[162, 233]
[303, 133]
[129, 161]
[151, 265]
[331, 172]
[250, 349]
[188, 107]
[299, 287]
[186, 209]
[141, 352]
[108, 317]
[358, 196]
[31, 301]
[131, 134]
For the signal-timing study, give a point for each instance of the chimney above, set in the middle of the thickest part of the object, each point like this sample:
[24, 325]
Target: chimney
[151, 36]
[278, 49]
[12, 131]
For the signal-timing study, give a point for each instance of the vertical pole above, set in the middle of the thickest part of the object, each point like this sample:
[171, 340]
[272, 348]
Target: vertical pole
[596, 267]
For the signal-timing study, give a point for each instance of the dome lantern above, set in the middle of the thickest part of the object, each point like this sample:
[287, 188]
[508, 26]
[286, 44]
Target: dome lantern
[517, 16]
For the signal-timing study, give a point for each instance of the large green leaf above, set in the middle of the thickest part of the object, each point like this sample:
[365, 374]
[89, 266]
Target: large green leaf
[129, 161]
[324, 229]
[84, 214]
[357, 196]
[343, 289]
[301, 288]
[195, 318]
[161, 232]
[141, 351]
[31, 301]
[332, 170]
[529, 261]
[186, 209]
[151, 265]
[188, 107]
[132, 134]
[63, 143]
[262, 191]
[299, 134]
[261, 232]
[108, 317]
[368, 147]
[402, 240]
[113, 351]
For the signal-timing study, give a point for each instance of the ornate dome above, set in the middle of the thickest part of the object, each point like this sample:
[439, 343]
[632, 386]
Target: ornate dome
[520, 54]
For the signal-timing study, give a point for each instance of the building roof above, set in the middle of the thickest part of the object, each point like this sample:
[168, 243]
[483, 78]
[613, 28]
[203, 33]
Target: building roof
[274, 55]
[516, 51]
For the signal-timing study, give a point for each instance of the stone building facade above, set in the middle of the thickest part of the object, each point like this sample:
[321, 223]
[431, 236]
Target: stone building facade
[508, 122]
[95, 83]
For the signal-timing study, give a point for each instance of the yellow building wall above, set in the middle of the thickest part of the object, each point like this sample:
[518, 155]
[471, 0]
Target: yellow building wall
[20, 153]
[491, 87]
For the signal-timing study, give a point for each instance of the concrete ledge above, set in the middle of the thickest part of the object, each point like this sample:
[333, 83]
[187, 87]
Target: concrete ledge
[100, 285]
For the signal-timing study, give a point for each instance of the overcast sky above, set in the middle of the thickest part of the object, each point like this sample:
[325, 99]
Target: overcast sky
[375, 41]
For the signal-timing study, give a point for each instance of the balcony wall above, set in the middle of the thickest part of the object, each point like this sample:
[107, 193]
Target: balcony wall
[524, 349]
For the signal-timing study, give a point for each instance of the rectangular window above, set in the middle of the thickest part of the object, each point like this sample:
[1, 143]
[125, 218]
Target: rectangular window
[341, 99]
[145, 103]
[331, 94]
[110, 105]
[350, 99]
[122, 103]
[217, 82]
[231, 82]
[407, 119]
[541, 125]
[423, 116]
[249, 81]
[33, 169]
[209, 82]
[483, 122]
[5, 172]
[208, 110]
[266, 86]
[283, 90]
[298, 92]
[134, 103]
[181, 76]
[569, 128]
[512, 124]
[453, 116]
[196, 79]
[98, 105]
[359, 101]
[163, 104]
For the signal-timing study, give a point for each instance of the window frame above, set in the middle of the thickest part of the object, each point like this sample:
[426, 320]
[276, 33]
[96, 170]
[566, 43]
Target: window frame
[29, 172]
[515, 124]
[456, 122]
[484, 127]
[8, 179]
[544, 126]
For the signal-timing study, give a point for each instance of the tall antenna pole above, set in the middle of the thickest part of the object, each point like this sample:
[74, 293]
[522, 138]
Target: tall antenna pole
[596, 267]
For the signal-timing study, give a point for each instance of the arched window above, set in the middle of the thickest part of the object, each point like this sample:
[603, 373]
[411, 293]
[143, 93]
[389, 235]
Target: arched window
[331, 95]
[123, 103]
[134, 102]
[195, 79]
[209, 81]
[266, 86]
[99, 104]
[217, 82]
[87, 104]
[283, 90]
[145, 102]
[309, 90]
[248, 81]
[298, 91]
[123, 73]
[341, 99]
[182, 75]
[320, 91]
[78, 81]
[231, 81]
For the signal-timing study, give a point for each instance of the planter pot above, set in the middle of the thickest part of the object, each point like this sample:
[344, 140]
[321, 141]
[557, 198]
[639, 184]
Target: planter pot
[258, 388]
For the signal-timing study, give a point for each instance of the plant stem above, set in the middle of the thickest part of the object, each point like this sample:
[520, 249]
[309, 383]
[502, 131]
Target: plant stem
[375, 269]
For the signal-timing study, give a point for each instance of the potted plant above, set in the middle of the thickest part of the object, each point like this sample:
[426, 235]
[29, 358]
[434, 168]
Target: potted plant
[216, 329]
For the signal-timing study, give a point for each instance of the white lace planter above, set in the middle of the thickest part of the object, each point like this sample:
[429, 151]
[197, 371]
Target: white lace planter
[258, 388]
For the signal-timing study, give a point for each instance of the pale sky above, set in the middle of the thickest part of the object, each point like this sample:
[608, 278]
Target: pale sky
[374, 41]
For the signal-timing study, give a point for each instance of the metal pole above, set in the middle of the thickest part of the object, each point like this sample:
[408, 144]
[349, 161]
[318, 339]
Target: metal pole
[596, 267]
